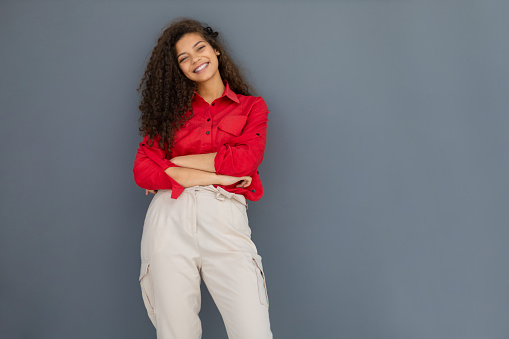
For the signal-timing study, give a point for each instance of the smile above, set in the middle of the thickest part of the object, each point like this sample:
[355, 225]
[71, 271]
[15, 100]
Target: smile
[201, 67]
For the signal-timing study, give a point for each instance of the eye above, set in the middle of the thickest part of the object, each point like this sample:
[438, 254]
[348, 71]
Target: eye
[201, 47]
[183, 59]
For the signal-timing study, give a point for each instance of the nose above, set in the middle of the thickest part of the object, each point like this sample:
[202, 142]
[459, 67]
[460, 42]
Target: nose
[196, 59]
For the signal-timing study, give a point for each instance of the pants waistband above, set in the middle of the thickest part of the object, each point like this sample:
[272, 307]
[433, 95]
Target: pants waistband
[220, 193]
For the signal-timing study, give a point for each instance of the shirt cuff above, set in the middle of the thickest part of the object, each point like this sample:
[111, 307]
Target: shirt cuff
[176, 188]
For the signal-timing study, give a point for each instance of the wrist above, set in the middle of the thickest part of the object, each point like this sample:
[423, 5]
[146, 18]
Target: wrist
[220, 179]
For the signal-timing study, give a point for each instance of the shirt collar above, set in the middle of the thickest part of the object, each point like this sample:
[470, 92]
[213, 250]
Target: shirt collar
[228, 92]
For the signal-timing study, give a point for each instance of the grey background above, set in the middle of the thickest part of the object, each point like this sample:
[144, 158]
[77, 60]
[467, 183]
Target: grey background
[386, 192]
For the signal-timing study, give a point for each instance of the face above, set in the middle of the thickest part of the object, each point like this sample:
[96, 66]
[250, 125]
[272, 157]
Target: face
[197, 59]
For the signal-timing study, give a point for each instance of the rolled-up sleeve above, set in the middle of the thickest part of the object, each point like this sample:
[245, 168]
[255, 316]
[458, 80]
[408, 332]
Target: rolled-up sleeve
[149, 169]
[243, 154]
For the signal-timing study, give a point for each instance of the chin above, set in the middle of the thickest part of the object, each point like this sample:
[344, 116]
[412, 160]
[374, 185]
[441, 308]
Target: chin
[204, 78]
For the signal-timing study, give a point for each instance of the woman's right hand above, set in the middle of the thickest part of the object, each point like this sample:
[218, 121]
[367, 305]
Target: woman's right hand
[244, 181]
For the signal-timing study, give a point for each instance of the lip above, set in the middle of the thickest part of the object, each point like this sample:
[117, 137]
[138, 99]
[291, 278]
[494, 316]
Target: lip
[194, 71]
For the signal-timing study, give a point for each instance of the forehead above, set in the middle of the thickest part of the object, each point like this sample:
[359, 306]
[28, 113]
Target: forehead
[187, 41]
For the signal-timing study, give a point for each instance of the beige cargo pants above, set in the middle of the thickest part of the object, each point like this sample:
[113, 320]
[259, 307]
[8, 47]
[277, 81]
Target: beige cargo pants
[202, 234]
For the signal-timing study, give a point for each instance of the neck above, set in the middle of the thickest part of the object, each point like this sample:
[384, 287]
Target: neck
[211, 89]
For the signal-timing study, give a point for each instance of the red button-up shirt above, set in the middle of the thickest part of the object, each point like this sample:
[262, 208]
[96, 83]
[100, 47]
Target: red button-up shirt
[234, 126]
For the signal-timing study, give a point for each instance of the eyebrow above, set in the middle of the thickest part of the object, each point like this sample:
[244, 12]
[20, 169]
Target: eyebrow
[192, 47]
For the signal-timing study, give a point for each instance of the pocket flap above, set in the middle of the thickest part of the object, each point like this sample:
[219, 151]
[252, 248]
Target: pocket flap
[233, 124]
[144, 269]
[258, 262]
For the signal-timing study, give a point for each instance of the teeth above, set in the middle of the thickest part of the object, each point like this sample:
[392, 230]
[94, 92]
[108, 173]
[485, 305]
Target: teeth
[201, 67]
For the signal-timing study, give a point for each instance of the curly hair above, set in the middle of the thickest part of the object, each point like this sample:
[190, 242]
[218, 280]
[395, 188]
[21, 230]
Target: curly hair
[166, 92]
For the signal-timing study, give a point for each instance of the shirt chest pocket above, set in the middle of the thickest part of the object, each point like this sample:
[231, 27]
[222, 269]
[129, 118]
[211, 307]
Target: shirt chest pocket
[230, 127]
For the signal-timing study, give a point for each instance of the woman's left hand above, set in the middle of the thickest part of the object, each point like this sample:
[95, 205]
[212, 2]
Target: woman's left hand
[245, 182]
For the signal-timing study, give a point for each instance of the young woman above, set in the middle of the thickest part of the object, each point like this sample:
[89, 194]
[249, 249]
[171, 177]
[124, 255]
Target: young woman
[204, 137]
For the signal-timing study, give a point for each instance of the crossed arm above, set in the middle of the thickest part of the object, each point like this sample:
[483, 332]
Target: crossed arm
[198, 169]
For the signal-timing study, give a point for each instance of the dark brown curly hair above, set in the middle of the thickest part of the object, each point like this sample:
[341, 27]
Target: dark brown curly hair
[166, 92]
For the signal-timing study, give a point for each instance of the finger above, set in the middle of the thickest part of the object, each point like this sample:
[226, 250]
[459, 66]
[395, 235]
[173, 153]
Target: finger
[146, 192]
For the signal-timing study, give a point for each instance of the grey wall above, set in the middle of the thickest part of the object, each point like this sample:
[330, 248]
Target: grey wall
[386, 206]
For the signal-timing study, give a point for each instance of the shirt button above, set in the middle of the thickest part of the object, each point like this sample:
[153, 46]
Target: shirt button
[208, 119]
[208, 132]
[253, 190]
[258, 134]
[213, 103]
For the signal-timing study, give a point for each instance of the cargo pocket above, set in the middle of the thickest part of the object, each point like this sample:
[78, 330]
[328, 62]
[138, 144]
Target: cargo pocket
[262, 286]
[147, 291]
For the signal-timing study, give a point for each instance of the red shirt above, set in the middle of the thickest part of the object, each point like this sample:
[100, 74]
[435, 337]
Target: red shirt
[234, 126]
